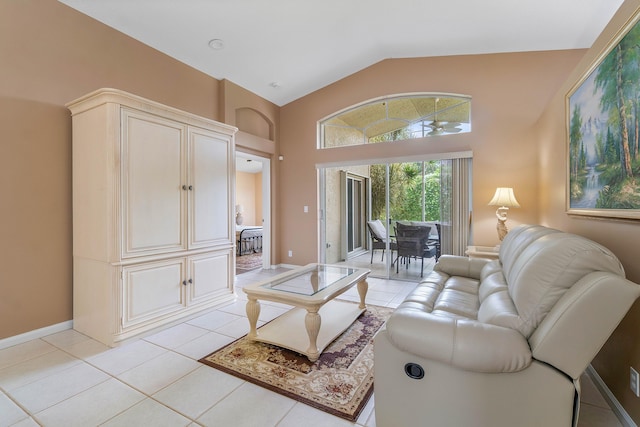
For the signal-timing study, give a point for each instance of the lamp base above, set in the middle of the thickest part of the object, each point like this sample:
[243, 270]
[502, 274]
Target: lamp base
[501, 227]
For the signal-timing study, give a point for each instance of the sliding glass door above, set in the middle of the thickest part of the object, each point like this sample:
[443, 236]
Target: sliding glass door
[425, 193]
[353, 210]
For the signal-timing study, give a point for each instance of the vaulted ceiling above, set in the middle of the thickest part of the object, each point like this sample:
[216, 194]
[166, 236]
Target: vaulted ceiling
[285, 49]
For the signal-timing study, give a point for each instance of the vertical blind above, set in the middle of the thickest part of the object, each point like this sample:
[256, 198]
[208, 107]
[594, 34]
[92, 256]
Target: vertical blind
[455, 205]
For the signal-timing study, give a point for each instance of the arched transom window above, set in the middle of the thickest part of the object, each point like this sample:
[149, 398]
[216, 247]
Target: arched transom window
[396, 118]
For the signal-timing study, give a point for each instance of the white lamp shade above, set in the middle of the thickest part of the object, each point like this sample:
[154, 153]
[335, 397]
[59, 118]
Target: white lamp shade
[504, 197]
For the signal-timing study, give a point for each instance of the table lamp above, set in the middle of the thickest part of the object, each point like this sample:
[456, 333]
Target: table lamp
[504, 199]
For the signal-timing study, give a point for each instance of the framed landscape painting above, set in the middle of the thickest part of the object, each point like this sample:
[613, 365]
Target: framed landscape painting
[603, 126]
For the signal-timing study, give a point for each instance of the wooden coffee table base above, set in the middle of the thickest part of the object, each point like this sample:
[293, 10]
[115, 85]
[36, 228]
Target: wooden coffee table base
[318, 318]
[303, 331]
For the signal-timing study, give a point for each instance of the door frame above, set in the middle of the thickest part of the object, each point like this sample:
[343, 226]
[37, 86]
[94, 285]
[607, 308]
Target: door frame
[266, 203]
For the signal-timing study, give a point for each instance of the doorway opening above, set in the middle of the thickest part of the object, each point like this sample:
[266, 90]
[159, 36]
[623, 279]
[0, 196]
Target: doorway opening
[253, 212]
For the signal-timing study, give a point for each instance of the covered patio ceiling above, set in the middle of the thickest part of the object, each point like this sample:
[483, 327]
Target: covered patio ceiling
[391, 114]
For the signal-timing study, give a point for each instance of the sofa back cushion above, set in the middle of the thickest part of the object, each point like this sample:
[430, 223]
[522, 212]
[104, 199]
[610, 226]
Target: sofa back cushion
[517, 240]
[547, 268]
[496, 306]
[538, 268]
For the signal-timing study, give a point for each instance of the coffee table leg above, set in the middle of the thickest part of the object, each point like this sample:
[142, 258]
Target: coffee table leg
[312, 322]
[363, 287]
[253, 312]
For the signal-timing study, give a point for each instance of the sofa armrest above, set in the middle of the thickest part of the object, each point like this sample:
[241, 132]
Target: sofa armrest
[595, 305]
[463, 343]
[454, 265]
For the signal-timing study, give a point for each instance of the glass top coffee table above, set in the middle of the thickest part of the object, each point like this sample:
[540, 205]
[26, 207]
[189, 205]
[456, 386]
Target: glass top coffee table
[317, 318]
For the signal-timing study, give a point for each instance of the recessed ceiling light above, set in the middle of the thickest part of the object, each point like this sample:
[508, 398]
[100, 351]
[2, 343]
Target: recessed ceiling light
[274, 84]
[216, 44]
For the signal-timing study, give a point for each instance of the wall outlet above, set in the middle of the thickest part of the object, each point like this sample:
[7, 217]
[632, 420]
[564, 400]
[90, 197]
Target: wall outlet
[291, 254]
[634, 382]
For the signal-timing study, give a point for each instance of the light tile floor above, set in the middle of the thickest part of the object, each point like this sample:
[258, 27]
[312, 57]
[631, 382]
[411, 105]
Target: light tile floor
[67, 379]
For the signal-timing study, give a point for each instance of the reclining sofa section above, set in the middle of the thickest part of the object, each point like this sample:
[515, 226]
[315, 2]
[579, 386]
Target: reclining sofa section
[502, 342]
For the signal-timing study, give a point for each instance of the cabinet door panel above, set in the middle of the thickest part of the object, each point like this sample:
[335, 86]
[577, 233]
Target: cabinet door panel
[210, 156]
[211, 276]
[153, 176]
[151, 291]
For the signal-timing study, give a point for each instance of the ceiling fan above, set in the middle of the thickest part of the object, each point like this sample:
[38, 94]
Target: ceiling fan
[439, 127]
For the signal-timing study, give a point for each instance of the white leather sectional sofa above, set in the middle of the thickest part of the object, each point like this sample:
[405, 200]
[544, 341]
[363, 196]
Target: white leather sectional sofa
[503, 342]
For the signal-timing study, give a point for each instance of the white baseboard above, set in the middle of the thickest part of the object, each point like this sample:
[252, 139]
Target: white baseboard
[36, 333]
[289, 266]
[616, 407]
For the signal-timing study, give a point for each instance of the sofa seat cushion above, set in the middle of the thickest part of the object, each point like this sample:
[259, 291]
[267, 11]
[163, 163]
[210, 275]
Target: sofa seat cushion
[459, 303]
[443, 295]
[449, 338]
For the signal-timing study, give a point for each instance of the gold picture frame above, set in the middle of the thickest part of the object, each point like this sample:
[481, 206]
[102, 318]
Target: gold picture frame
[603, 132]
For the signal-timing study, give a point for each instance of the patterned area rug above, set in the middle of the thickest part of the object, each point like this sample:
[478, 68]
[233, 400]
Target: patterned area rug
[248, 262]
[340, 382]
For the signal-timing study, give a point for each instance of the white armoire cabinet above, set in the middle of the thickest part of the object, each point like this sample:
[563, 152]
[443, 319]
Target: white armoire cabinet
[153, 197]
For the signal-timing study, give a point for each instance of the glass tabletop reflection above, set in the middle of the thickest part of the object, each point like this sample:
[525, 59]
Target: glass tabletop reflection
[311, 281]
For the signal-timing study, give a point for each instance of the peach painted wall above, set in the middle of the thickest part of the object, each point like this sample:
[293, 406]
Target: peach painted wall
[53, 54]
[35, 218]
[622, 237]
[249, 195]
[509, 92]
[50, 55]
[257, 184]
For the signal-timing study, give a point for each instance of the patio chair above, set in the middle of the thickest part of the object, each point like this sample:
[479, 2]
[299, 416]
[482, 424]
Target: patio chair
[412, 241]
[379, 238]
[434, 236]
[436, 242]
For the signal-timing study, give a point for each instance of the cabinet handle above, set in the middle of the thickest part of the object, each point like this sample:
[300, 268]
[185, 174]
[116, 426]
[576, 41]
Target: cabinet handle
[184, 282]
[190, 281]
[191, 187]
[184, 187]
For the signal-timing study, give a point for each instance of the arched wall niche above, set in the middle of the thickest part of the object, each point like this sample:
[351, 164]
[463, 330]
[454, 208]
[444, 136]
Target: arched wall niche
[254, 122]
